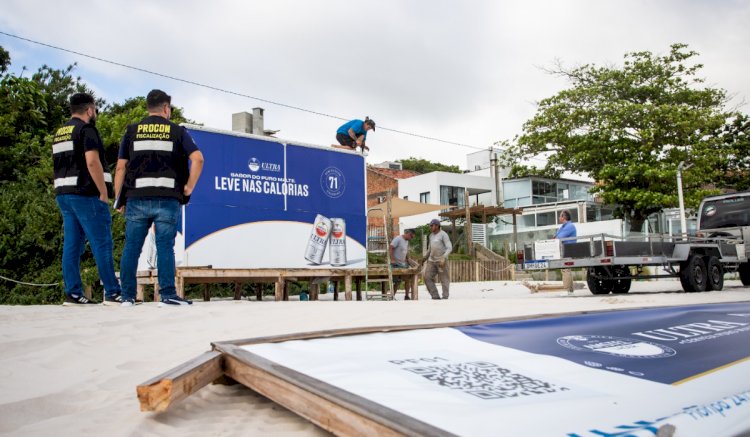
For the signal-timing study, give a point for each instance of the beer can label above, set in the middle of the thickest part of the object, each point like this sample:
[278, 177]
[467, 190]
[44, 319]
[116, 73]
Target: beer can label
[319, 235]
[338, 242]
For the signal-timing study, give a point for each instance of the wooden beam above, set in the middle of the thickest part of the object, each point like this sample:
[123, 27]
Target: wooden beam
[158, 393]
[334, 410]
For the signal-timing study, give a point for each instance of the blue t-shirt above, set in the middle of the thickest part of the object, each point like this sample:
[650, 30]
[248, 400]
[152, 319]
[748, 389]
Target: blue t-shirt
[358, 126]
[568, 229]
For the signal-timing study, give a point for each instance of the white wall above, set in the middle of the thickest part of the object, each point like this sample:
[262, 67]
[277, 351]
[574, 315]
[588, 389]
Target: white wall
[431, 182]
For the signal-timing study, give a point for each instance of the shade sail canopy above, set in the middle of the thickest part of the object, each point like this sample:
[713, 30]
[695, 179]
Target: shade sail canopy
[404, 208]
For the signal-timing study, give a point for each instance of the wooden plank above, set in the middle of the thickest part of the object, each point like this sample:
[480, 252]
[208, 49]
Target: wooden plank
[332, 409]
[158, 393]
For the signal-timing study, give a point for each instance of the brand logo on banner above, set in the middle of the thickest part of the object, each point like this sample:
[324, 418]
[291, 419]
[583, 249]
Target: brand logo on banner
[333, 182]
[253, 164]
[616, 346]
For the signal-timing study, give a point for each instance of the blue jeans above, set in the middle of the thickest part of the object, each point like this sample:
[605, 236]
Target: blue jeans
[140, 214]
[86, 218]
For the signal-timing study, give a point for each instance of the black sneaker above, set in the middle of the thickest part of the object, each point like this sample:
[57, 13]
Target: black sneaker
[115, 299]
[175, 301]
[78, 299]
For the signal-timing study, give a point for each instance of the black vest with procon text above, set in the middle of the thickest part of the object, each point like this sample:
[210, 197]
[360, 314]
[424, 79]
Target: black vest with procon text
[68, 156]
[158, 166]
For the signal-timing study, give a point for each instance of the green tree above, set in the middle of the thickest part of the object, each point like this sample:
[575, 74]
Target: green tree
[735, 173]
[629, 128]
[30, 223]
[424, 166]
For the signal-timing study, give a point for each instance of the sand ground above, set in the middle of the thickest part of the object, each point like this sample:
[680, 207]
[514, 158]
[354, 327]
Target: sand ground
[73, 371]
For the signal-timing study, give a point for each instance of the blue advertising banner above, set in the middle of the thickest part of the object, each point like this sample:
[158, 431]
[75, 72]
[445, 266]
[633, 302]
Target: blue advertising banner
[667, 345]
[618, 373]
[265, 203]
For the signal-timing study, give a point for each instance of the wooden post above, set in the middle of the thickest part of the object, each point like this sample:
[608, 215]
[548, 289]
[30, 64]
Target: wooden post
[415, 287]
[467, 225]
[279, 291]
[237, 291]
[157, 296]
[476, 271]
[259, 291]
[335, 290]
[206, 293]
[314, 290]
[348, 288]
[358, 284]
[179, 283]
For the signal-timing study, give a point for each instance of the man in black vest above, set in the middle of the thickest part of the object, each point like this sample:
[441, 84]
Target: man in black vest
[83, 187]
[152, 180]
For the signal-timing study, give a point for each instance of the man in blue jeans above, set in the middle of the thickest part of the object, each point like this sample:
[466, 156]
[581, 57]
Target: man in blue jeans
[152, 180]
[83, 187]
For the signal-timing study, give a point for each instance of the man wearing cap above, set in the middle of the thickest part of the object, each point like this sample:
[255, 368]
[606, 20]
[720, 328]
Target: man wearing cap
[353, 134]
[438, 248]
[83, 187]
[154, 178]
[399, 251]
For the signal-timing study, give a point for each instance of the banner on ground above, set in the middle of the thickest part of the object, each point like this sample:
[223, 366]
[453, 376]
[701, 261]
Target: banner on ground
[625, 373]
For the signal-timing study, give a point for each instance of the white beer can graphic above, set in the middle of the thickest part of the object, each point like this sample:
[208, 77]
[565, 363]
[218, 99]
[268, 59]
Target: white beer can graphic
[316, 244]
[338, 242]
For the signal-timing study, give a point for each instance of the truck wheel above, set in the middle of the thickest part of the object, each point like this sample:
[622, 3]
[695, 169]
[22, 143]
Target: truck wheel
[597, 285]
[744, 270]
[693, 274]
[620, 285]
[715, 273]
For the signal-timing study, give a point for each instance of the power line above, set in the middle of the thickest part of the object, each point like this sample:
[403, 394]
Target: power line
[235, 93]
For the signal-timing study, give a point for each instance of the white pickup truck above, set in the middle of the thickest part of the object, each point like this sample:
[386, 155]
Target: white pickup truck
[721, 245]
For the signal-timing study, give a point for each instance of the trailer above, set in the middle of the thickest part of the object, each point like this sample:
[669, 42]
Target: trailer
[721, 245]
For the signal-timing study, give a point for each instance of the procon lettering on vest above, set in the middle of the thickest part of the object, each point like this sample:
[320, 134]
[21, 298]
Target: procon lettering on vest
[150, 128]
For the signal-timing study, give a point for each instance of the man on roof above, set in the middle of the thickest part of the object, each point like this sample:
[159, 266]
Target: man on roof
[353, 134]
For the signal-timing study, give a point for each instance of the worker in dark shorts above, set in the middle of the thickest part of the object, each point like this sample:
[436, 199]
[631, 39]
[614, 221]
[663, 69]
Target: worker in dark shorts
[353, 134]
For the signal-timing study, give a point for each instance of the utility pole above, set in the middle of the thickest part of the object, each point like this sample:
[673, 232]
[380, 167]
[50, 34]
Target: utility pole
[498, 184]
[683, 220]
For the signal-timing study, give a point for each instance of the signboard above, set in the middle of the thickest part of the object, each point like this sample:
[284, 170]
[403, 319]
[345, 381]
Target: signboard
[256, 204]
[606, 374]
[547, 249]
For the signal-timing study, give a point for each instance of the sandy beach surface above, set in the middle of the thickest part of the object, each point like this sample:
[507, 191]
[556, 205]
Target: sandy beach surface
[73, 371]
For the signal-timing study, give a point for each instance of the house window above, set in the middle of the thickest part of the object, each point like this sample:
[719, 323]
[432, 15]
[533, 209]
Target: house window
[424, 197]
[453, 196]
[543, 192]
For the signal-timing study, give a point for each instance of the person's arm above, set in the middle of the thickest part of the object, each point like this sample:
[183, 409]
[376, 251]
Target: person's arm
[122, 165]
[448, 246]
[96, 171]
[196, 167]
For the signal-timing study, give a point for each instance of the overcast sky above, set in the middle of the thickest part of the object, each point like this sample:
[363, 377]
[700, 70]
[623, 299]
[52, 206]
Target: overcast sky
[461, 71]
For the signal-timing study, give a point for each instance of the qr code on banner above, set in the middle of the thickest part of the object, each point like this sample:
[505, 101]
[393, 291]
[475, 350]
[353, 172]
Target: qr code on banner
[485, 380]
